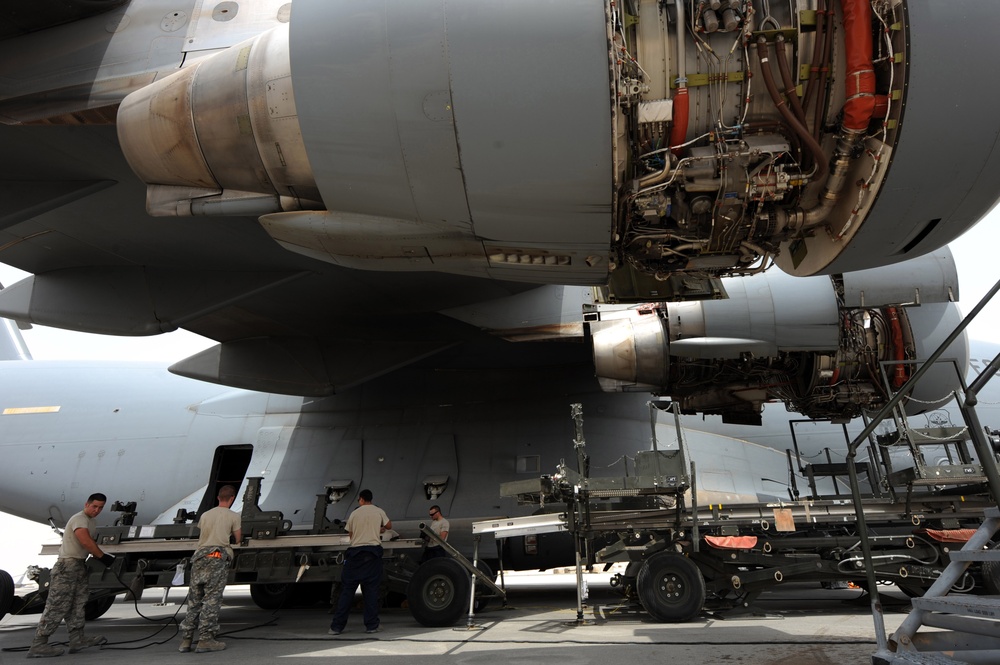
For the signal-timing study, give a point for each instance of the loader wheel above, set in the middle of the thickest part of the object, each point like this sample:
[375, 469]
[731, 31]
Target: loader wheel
[6, 593]
[96, 608]
[438, 593]
[671, 588]
[270, 596]
[990, 571]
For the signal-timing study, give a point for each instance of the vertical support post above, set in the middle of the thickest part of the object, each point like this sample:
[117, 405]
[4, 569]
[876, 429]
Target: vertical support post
[695, 534]
[968, 407]
[503, 586]
[866, 548]
[471, 620]
[579, 564]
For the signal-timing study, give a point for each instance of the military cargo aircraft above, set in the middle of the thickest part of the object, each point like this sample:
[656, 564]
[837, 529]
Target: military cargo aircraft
[434, 220]
[451, 428]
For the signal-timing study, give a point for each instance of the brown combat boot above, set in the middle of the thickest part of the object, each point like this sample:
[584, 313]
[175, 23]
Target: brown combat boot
[207, 644]
[78, 642]
[40, 648]
[185, 646]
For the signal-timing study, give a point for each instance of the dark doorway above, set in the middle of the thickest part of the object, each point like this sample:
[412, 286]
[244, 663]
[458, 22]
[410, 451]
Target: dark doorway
[229, 468]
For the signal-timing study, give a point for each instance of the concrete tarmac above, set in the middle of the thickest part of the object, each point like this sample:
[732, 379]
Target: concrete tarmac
[794, 624]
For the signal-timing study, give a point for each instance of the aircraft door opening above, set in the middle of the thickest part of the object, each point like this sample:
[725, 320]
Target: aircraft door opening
[228, 468]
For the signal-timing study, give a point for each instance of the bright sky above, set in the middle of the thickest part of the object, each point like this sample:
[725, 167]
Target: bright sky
[976, 256]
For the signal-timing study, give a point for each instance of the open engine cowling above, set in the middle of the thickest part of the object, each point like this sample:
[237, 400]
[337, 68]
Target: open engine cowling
[828, 347]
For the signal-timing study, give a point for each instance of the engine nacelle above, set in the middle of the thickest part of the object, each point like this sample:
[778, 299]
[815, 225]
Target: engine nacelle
[826, 347]
[222, 136]
[582, 141]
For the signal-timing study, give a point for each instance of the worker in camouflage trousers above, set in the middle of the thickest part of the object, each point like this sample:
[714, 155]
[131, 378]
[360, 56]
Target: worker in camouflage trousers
[69, 588]
[209, 573]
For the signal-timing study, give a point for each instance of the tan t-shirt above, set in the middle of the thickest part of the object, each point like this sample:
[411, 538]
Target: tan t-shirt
[437, 526]
[216, 525]
[365, 525]
[71, 547]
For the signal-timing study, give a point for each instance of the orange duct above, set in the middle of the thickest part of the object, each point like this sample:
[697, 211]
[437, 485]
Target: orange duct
[899, 375]
[678, 134]
[860, 104]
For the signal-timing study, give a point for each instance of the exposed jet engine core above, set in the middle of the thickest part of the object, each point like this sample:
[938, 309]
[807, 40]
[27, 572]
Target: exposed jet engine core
[582, 141]
[828, 347]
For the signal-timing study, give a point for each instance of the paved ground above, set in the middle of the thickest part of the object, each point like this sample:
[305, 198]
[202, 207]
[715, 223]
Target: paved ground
[795, 625]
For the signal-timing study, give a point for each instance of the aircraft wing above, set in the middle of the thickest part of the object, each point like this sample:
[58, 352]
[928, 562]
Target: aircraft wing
[74, 215]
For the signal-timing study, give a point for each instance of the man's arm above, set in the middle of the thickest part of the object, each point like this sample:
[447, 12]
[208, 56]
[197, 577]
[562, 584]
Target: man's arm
[83, 537]
[237, 530]
[387, 525]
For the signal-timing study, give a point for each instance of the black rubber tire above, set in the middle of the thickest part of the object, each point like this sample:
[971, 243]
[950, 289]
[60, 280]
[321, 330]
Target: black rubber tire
[990, 572]
[671, 588]
[96, 608]
[438, 593]
[310, 594]
[6, 593]
[270, 596]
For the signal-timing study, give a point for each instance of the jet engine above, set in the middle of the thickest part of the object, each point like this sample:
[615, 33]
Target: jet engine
[828, 347]
[584, 141]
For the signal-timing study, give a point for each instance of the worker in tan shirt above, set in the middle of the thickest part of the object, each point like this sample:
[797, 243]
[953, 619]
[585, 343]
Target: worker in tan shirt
[362, 563]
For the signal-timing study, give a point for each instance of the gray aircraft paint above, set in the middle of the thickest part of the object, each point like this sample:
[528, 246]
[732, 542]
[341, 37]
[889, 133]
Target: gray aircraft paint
[75, 213]
[139, 433]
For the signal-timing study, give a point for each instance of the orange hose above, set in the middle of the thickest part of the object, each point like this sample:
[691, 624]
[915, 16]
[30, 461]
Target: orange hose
[899, 375]
[678, 133]
[860, 83]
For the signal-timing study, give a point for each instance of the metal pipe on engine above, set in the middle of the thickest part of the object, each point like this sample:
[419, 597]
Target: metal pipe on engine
[786, 112]
[786, 79]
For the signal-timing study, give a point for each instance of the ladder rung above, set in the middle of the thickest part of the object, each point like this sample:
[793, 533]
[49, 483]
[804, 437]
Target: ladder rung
[975, 555]
[961, 624]
[974, 606]
[836, 469]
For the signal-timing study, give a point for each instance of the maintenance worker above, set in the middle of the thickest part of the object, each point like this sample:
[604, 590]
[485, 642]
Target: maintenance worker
[439, 525]
[209, 573]
[362, 563]
[69, 589]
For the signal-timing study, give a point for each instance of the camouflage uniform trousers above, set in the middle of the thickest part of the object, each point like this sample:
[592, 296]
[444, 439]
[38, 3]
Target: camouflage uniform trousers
[208, 580]
[69, 591]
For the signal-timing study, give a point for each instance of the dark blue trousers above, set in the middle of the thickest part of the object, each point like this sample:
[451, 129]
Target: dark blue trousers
[362, 566]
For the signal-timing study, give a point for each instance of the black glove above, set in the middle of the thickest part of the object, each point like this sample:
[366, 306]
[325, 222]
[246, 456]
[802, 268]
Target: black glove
[107, 559]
